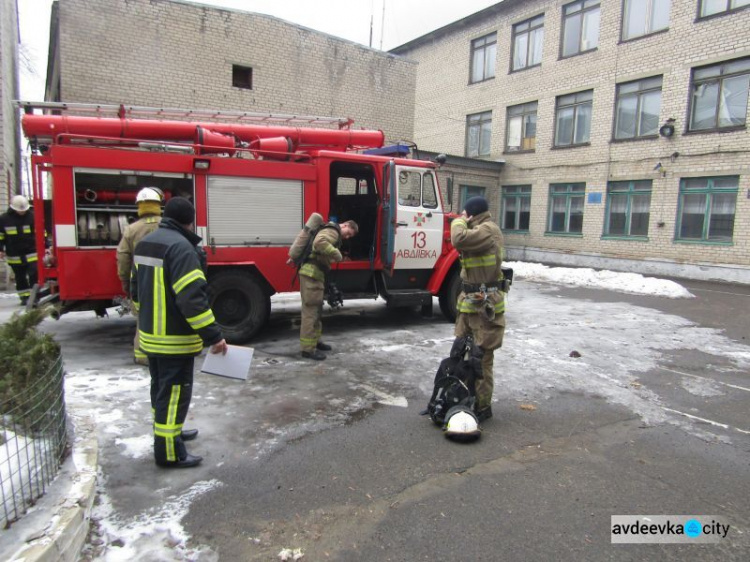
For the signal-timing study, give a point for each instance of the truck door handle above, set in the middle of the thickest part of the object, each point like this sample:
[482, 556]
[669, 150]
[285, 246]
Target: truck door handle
[402, 224]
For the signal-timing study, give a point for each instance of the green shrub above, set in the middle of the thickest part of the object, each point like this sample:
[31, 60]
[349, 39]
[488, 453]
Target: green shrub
[26, 360]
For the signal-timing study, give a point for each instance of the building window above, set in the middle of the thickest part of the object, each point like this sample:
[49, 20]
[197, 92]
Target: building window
[242, 77]
[720, 94]
[528, 37]
[483, 52]
[566, 208]
[478, 133]
[637, 109]
[521, 134]
[628, 206]
[515, 207]
[643, 17]
[707, 208]
[713, 7]
[469, 191]
[580, 27]
[573, 119]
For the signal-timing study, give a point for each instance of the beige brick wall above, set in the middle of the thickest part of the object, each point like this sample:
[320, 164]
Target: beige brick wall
[444, 99]
[9, 145]
[170, 54]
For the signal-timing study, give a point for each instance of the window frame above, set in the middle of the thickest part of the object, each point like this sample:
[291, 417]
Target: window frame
[580, 13]
[625, 7]
[728, 10]
[520, 193]
[710, 191]
[631, 191]
[479, 124]
[464, 188]
[474, 49]
[575, 105]
[569, 193]
[528, 31]
[523, 114]
[721, 77]
[639, 93]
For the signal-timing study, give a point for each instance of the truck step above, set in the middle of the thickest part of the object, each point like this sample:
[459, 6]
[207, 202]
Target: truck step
[408, 297]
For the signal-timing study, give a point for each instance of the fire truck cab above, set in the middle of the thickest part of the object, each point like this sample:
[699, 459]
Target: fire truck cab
[253, 186]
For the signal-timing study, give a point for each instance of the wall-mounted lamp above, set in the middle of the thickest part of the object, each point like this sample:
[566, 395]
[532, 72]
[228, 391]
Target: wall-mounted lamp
[674, 156]
[667, 130]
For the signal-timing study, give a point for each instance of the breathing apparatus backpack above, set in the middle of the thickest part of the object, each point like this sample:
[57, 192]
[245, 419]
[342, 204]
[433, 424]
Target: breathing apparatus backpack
[302, 246]
[451, 405]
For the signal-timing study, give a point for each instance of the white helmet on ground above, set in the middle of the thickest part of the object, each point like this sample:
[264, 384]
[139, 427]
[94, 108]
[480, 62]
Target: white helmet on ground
[19, 203]
[149, 194]
[461, 424]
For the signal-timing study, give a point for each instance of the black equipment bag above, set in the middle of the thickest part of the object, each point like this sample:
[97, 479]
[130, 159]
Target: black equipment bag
[455, 380]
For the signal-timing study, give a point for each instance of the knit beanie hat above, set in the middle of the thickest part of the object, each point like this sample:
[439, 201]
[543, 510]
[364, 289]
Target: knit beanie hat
[476, 206]
[180, 209]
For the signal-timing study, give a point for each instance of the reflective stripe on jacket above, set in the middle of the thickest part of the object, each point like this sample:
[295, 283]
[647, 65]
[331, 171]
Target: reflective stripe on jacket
[480, 244]
[17, 236]
[325, 250]
[169, 290]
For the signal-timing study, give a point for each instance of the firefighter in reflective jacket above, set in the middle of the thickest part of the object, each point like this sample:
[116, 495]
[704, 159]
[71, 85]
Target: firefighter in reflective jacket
[168, 286]
[18, 244]
[312, 277]
[481, 303]
[149, 201]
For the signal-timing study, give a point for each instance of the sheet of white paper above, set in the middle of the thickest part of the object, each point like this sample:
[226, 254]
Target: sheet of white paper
[235, 364]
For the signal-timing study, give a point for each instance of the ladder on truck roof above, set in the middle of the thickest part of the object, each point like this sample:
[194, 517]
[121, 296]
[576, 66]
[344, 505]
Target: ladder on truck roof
[123, 111]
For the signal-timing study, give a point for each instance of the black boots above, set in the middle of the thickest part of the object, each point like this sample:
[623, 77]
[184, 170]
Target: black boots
[484, 414]
[323, 346]
[188, 462]
[189, 434]
[317, 355]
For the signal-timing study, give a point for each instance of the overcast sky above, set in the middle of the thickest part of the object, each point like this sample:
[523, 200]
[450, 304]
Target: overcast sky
[350, 19]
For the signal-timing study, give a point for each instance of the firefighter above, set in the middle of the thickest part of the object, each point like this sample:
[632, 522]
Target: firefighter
[312, 279]
[481, 303]
[168, 286]
[18, 244]
[149, 200]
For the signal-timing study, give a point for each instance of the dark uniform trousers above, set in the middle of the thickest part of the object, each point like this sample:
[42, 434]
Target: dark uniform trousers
[26, 276]
[171, 389]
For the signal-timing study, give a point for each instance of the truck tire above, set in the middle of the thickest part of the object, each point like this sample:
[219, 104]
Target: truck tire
[448, 297]
[239, 303]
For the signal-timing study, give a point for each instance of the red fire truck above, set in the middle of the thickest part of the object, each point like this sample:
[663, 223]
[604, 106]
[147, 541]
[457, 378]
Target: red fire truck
[253, 182]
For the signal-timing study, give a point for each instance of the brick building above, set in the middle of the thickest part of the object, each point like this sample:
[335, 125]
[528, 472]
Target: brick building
[622, 125]
[10, 155]
[9, 142]
[169, 53]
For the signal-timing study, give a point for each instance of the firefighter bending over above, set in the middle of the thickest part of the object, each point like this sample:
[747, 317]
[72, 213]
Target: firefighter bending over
[481, 304]
[18, 244]
[149, 201]
[169, 291]
[312, 277]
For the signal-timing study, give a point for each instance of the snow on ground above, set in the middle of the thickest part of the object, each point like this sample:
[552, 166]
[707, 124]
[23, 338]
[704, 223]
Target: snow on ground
[155, 534]
[611, 280]
[616, 342]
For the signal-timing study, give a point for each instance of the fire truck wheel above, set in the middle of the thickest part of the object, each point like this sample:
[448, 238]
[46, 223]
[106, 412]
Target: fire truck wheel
[239, 303]
[449, 295]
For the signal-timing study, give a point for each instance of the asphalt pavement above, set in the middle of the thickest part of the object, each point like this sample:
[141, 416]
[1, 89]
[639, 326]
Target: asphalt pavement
[333, 459]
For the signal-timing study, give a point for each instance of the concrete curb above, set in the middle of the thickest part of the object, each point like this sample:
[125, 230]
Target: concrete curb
[57, 527]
